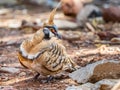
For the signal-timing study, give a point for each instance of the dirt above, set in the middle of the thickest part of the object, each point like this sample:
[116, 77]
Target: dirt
[10, 40]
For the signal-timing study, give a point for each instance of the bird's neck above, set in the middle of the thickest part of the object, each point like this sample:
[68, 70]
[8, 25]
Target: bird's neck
[29, 44]
[37, 38]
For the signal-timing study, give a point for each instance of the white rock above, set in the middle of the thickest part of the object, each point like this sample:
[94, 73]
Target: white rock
[86, 86]
[105, 84]
[4, 11]
[9, 69]
[64, 24]
[91, 71]
[14, 24]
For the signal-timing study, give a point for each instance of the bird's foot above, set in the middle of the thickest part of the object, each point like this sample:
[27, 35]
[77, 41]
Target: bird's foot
[62, 76]
[49, 79]
[36, 76]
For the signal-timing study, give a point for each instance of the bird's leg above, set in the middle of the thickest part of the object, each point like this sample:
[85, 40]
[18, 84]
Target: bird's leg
[36, 76]
[49, 78]
[62, 76]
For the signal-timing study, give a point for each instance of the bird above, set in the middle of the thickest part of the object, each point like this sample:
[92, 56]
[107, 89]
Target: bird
[44, 53]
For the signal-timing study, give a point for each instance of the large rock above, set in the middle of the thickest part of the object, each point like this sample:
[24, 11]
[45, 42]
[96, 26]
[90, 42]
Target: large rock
[105, 84]
[86, 86]
[88, 11]
[97, 71]
[71, 7]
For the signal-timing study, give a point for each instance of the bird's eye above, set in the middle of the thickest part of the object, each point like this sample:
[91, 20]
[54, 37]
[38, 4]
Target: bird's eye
[47, 33]
[52, 30]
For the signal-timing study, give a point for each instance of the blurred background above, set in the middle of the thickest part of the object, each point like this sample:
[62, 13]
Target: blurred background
[90, 32]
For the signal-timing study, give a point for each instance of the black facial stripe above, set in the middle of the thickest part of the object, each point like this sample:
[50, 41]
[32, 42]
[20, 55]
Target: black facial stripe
[47, 33]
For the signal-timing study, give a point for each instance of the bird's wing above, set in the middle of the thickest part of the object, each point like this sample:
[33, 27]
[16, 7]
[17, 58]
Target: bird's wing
[44, 45]
[54, 57]
[30, 47]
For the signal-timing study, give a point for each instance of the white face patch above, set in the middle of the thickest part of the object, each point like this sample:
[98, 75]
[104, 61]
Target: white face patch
[51, 34]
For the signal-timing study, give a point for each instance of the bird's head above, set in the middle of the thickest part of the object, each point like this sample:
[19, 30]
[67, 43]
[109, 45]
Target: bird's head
[50, 26]
[51, 29]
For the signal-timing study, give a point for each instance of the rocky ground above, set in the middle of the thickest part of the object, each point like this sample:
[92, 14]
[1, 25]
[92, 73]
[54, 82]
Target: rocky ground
[83, 45]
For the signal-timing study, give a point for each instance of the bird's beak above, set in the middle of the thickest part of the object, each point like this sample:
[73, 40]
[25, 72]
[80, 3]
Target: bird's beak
[54, 30]
[57, 35]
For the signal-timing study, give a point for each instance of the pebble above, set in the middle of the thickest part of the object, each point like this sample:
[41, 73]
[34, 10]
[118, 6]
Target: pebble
[22, 74]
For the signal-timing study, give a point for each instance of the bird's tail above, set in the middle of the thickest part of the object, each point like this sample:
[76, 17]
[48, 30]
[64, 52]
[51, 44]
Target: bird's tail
[71, 65]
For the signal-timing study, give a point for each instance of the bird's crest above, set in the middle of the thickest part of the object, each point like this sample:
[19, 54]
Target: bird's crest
[51, 17]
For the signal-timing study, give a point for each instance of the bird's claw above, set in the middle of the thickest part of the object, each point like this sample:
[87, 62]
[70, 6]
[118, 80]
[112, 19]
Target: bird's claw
[50, 78]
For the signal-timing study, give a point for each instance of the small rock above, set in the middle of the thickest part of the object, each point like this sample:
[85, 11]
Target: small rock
[106, 35]
[14, 24]
[97, 71]
[110, 12]
[4, 78]
[86, 86]
[103, 49]
[117, 39]
[7, 88]
[11, 42]
[104, 87]
[116, 86]
[4, 11]
[72, 88]
[9, 70]
[71, 7]
[71, 36]
[106, 84]
[22, 74]
[66, 25]
[30, 26]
